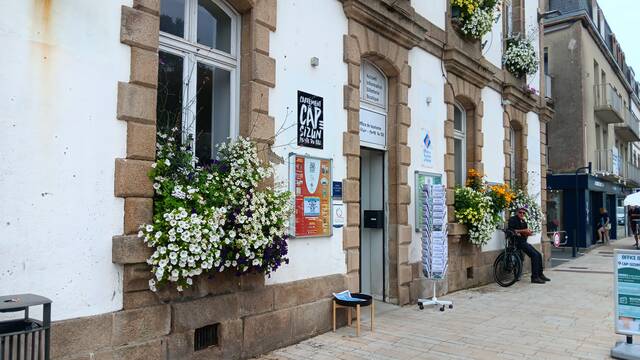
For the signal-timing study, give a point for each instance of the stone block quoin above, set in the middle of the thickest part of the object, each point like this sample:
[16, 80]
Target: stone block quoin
[137, 106]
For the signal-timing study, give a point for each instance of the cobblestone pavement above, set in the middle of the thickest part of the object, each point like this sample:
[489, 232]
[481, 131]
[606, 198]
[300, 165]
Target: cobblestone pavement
[569, 318]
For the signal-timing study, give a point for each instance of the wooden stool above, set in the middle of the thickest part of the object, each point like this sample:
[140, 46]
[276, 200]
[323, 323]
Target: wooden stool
[368, 300]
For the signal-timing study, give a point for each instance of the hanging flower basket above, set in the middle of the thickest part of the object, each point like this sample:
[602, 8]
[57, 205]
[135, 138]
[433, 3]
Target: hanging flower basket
[481, 207]
[474, 18]
[214, 217]
[520, 57]
[534, 213]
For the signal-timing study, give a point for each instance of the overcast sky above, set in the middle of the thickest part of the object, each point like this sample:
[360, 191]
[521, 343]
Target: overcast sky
[622, 16]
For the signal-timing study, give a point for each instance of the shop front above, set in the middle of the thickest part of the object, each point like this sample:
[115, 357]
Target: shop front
[574, 203]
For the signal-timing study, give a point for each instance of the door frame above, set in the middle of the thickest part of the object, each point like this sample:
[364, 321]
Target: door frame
[385, 230]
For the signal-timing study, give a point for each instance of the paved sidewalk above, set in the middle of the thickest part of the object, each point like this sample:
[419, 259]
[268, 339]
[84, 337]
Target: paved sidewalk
[569, 318]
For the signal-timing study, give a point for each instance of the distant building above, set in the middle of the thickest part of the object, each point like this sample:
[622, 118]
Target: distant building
[595, 95]
[405, 98]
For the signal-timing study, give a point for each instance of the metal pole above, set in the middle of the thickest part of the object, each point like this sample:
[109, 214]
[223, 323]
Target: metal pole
[574, 250]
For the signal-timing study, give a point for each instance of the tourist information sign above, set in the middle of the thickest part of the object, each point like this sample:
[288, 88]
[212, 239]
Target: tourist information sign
[626, 295]
[627, 292]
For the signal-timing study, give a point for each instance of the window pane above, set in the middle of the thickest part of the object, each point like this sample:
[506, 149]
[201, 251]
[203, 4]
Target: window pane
[457, 119]
[213, 111]
[214, 26]
[172, 17]
[169, 110]
[458, 159]
[514, 156]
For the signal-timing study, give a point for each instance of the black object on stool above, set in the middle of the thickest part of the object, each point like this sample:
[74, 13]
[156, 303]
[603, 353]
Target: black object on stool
[366, 300]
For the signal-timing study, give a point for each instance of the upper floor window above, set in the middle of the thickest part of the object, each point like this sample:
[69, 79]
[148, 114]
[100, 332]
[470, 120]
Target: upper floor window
[516, 156]
[508, 18]
[198, 72]
[513, 17]
[459, 144]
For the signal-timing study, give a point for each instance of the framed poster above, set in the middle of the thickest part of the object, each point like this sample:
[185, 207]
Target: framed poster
[310, 120]
[311, 183]
[422, 178]
[427, 150]
[626, 291]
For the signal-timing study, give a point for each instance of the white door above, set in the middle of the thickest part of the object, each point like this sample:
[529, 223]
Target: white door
[372, 223]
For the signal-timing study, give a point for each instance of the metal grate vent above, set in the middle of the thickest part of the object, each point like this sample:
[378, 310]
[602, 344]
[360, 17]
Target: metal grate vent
[205, 337]
[470, 273]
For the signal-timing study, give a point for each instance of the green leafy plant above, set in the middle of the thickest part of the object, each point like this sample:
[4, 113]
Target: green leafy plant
[215, 216]
[475, 17]
[534, 214]
[520, 57]
[481, 206]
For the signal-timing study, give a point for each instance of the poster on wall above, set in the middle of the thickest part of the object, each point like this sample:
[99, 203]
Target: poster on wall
[422, 178]
[310, 120]
[627, 292]
[311, 183]
[339, 216]
[427, 151]
[615, 161]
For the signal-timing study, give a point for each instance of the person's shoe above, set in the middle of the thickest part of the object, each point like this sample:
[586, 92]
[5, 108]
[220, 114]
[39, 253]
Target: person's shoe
[537, 280]
[544, 278]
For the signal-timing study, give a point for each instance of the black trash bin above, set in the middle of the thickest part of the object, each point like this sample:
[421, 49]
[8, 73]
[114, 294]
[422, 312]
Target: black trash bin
[25, 338]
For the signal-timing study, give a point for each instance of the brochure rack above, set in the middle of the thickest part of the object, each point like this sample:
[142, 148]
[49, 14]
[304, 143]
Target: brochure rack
[435, 253]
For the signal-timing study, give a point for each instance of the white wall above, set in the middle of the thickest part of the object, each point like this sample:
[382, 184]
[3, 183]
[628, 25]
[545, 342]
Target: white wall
[426, 81]
[533, 164]
[59, 138]
[531, 30]
[492, 50]
[432, 10]
[294, 43]
[493, 134]
[635, 110]
[492, 151]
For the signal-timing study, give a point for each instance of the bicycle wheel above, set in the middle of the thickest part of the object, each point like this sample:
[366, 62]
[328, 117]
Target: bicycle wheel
[519, 263]
[506, 269]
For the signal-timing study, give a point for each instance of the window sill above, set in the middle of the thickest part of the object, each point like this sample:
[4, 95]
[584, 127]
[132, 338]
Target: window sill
[457, 229]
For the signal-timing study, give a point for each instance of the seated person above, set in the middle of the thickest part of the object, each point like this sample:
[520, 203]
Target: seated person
[519, 227]
[604, 225]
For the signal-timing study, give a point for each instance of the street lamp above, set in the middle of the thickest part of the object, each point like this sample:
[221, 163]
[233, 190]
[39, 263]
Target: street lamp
[574, 250]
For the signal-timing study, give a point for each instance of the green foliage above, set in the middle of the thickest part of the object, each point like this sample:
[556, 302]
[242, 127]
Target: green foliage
[213, 217]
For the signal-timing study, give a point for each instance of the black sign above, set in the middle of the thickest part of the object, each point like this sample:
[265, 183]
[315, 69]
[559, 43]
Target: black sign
[310, 120]
[337, 190]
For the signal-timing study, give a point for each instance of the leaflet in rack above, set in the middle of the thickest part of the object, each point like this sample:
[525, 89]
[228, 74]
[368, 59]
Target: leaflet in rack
[434, 233]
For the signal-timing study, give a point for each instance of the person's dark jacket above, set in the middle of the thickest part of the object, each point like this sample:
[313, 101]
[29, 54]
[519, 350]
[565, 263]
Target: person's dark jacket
[604, 219]
[515, 223]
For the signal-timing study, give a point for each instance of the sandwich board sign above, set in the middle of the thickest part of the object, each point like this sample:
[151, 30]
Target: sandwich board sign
[627, 292]
[626, 288]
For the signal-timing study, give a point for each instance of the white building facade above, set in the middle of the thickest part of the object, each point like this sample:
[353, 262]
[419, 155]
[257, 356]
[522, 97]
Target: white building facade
[79, 112]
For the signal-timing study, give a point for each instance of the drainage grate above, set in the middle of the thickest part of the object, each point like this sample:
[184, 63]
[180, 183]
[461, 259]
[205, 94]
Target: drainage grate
[205, 337]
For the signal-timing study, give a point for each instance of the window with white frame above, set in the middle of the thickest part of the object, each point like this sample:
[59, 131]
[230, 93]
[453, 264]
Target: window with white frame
[198, 72]
[513, 145]
[459, 144]
[508, 21]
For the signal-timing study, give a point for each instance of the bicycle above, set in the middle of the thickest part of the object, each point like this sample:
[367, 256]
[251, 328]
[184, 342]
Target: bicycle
[507, 268]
